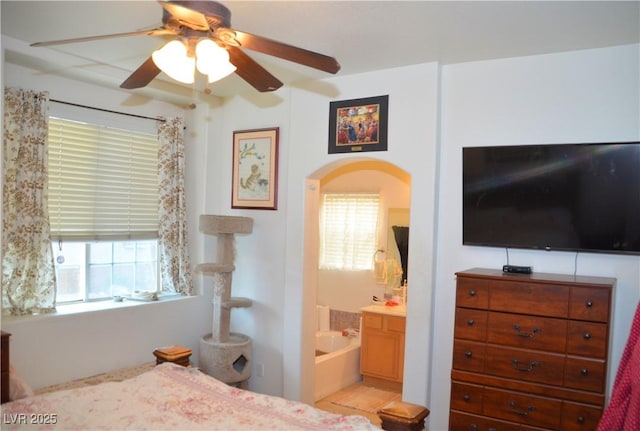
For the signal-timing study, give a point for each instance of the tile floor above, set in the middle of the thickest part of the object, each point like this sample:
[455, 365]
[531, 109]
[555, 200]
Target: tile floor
[326, 404]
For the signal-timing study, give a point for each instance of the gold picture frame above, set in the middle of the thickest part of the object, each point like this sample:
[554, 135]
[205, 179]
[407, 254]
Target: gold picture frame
[255, 169]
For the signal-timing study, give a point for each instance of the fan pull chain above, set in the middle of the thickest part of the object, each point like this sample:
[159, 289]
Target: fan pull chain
[60, 258]
[193, 105]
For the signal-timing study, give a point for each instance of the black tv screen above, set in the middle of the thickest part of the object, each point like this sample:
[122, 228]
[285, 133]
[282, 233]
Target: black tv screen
[573, 197]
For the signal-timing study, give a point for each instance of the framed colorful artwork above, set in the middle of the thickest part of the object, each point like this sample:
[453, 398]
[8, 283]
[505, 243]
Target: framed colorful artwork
[255, 169]
[358, 125]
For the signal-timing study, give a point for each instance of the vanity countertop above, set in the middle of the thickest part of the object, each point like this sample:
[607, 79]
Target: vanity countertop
[395, 310]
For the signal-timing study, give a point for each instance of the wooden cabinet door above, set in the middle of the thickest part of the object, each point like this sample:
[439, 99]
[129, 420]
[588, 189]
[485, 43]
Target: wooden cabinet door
[382, 346]
[379, 356]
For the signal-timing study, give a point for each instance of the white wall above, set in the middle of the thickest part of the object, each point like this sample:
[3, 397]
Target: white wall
[413, 96]
[81, 345]
[259, 273]
[583, 96]
[282, 319]
[571, 97]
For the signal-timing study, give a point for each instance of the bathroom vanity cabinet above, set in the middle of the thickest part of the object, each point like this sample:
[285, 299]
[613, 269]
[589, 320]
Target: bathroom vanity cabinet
[382, 348]
[530, 351]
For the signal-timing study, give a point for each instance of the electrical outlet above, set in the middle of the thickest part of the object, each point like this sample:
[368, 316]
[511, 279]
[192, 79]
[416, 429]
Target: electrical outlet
[259, 370]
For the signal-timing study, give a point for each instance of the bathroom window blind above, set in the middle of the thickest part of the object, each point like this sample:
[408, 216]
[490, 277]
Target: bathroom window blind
[348, 228]
[103, 182]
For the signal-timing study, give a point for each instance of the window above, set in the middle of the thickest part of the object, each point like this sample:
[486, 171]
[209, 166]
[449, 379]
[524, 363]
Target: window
[348, 230]
[102, 270]
[103, 209]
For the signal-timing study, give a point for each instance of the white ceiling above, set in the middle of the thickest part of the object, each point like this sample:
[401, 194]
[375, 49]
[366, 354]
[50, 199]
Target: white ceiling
[361, 35]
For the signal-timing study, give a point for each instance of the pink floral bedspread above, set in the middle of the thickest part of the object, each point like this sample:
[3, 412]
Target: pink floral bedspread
[170, 397]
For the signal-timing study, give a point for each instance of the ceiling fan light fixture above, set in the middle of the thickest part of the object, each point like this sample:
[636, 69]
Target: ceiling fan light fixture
[213, 60]
[222, 71]
[173, 60]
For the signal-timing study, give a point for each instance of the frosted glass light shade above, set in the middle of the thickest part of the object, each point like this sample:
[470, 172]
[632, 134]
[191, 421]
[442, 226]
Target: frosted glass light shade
[173, 60]
[213, 60]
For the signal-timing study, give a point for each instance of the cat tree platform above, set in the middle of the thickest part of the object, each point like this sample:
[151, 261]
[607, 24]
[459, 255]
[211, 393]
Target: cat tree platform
[223, 354]
[227, 361]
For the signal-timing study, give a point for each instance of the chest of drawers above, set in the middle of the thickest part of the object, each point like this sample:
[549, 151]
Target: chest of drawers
[530, 351]
[4, 364]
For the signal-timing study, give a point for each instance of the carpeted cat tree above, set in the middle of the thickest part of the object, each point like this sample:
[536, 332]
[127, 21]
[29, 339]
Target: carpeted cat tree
[225, 355]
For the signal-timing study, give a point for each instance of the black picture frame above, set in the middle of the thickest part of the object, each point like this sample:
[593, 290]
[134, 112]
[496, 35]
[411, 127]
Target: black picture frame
[358, 125]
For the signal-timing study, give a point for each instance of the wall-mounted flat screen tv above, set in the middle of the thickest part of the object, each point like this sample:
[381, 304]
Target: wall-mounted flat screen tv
[572, 197]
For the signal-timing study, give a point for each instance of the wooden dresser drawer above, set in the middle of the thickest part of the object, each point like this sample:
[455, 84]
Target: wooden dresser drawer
[4, 364]
[580, 417]
[471, 324]
[459, 421]
[522, 408]
[531, 349]
[584, 374]
[468, 355]
[383, 322]
[525, 365]
[466, 397]
[372, 320]
[472, 293]
[4, 354]
[530, 332]
[587, 339]
[590, 303]
[395, 324]
[528, 298]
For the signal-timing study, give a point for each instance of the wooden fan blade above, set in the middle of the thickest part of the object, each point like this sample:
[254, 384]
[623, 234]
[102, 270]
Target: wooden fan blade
[153, 32]
[287, 52]
[252, 72]
[142, 76]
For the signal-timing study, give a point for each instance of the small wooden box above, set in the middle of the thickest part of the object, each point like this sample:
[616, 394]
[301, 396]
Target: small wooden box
[176, 354]
[401, 416]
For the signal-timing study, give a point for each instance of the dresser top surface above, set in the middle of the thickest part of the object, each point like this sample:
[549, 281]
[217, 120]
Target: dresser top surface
[536, 277]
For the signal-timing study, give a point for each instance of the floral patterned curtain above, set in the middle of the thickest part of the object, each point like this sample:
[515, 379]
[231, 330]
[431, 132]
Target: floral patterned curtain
[28, 274]
[172, 231]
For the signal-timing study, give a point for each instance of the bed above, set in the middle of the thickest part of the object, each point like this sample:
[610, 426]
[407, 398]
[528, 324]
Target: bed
[171, 397]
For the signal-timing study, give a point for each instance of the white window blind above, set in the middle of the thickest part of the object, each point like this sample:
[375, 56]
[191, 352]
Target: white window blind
[103, 182]
[348, 229]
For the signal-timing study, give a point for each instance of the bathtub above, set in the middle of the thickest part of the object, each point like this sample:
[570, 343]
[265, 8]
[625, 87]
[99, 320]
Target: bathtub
[339, 364]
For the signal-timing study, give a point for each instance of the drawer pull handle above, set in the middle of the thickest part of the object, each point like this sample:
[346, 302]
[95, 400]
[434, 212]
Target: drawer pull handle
[532, 365]
[470, 322]
[467, 353]
[512, 404]
[491, 429]
[525, 334]
[580, 420]
[587, 336]
[584, 372]
[472, 292]
[473, 427]
[466, 397]
[588, 304]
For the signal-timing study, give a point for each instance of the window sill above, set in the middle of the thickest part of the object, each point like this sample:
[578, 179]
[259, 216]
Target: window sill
[94, 306]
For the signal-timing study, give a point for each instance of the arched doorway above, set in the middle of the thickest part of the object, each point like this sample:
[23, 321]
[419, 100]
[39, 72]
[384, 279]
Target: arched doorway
[352, 175]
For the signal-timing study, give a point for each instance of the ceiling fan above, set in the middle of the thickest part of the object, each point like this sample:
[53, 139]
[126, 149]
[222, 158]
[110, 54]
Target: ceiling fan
[194, 21]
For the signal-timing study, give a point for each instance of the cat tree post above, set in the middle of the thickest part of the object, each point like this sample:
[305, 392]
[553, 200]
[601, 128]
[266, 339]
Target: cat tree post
[223, 354]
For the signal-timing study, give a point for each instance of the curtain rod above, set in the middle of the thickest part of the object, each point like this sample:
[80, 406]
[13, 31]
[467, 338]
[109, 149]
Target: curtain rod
[108, 110]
